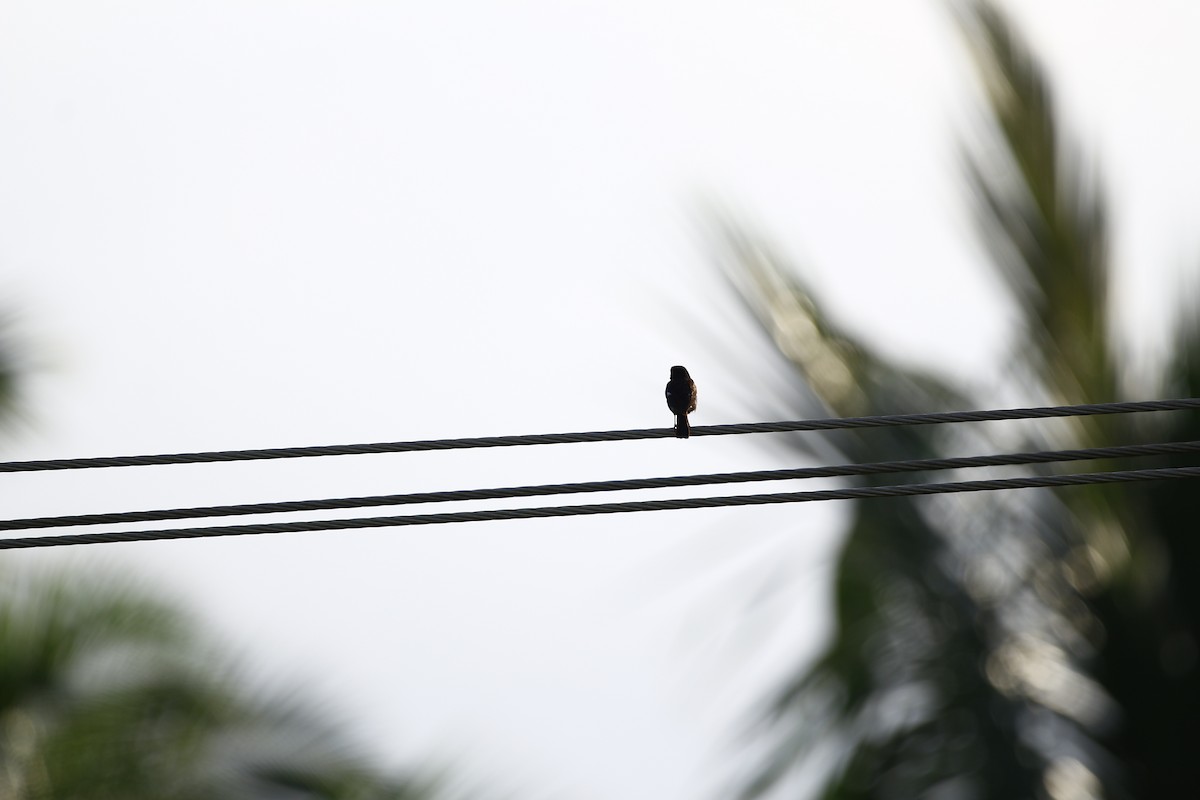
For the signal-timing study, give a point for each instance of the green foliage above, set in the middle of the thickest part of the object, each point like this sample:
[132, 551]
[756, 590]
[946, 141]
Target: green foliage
[999, 646]
[105, 693]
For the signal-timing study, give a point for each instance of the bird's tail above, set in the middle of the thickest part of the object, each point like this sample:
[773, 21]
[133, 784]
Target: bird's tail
[682, 428]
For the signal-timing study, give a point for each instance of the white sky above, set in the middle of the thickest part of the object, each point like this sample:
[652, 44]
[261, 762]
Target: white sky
[257, 224]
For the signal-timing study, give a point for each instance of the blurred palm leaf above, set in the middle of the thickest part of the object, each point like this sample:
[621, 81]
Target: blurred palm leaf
[1043, 219]
[905, 623]
[1003, 645]
[107, 693]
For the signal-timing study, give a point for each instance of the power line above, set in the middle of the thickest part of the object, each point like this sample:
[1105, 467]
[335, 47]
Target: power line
[882, 467]
[905, 490]
[889, 420]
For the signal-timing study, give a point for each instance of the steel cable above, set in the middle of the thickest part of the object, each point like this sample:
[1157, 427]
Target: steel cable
[835, 423]
[845, 470]
[904, 490]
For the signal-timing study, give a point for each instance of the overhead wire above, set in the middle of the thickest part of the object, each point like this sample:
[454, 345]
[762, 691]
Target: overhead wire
[902, 490]
[888, 420]
[911, 465]
[843, 470]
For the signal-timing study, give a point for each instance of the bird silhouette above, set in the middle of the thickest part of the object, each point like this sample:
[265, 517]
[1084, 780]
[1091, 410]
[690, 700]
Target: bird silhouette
[681, 399]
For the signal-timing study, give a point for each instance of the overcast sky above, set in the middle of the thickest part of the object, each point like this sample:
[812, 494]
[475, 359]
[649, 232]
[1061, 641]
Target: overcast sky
[260, 224]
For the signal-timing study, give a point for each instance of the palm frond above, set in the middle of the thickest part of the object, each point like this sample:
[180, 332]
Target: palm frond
[934, 677]
[902, 611]
[105, 692]
[1042, 214]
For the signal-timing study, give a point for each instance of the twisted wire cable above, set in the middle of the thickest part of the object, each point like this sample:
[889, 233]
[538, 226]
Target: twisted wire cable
[904, 490]
[845, 470]
[888, 420]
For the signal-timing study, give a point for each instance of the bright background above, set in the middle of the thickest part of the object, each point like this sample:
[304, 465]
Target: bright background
[264, 224]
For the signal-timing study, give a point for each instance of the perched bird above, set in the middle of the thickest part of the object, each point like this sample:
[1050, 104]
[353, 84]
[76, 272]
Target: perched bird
[681, 399]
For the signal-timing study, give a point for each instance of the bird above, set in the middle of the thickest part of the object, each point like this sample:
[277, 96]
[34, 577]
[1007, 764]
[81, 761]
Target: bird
[681, 399]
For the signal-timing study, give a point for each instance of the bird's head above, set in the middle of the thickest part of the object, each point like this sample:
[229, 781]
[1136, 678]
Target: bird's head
[679, 373]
